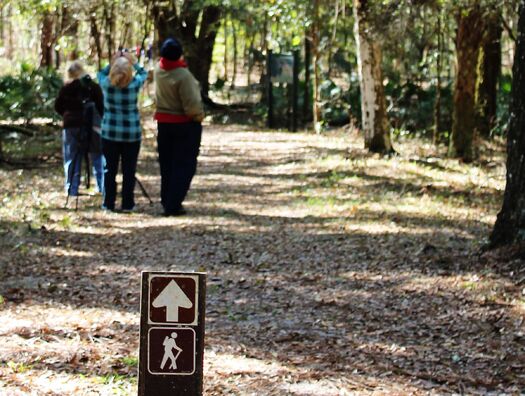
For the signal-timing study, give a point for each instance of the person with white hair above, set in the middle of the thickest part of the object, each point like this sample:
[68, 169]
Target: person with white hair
[121, 131]
[70, 105]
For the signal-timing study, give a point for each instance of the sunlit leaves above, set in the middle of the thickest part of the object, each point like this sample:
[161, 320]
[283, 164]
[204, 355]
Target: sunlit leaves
[29, 7]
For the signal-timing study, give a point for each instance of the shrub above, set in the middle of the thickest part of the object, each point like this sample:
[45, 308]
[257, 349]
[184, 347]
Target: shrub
[30, 94]
[411, 105]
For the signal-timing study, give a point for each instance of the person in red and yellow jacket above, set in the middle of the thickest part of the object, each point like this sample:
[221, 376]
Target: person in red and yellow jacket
[179, 115]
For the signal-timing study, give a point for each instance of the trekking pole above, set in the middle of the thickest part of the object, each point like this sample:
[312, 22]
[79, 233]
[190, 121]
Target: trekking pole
[144, 192]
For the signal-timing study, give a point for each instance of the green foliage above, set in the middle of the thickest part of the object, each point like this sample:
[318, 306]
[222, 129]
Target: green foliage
[29, 7]
[18, 367]
[29, 94]
[503, 103]
[130, 361]
[66, 222]
[354, 99]
[114, 379]
[282, 104]
[411, 106]
[335, 103]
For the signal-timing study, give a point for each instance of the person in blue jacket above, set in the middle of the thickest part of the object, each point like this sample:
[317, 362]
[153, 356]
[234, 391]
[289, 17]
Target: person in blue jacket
[121, 133]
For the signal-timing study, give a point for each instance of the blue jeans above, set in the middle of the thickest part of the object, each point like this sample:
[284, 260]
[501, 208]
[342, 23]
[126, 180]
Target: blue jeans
[73, 161]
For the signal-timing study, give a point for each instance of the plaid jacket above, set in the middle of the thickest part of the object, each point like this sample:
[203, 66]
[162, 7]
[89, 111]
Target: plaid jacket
[121, 121]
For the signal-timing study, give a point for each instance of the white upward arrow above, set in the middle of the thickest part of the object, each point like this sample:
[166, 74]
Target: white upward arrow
[173, 298]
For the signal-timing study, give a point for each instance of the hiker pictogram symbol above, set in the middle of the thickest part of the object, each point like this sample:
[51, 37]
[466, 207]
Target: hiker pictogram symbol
[173, 299]
[169, 347]
[171, 350]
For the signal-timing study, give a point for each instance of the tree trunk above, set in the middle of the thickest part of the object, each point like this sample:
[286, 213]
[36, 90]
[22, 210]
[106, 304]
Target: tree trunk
[489, 68]
[204, 46]
[316, 32]
[437, 138]
[146, 29]
[251, 61]
[235, 54]
[307, 113]
[2, 26]
[95, 33]
[109, 22]
[70, 28]
[46, 40]
[510, 224]
[468, 42]
[127, 33]
[59, 27]
[225, 60]
[198, 50]
[264, 35]
[373, 102]
[333, 39]
[10, 41]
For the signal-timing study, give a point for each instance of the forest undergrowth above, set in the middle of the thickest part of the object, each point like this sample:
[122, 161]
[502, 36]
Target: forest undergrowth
[330, 271]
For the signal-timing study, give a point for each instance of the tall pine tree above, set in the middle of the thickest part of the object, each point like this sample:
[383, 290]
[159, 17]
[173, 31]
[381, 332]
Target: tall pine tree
[510, 224]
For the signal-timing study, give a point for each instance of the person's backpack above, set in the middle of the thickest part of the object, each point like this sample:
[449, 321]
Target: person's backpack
[88, 138]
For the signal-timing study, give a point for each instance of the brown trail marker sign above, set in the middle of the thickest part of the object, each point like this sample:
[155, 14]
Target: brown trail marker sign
[171, 333]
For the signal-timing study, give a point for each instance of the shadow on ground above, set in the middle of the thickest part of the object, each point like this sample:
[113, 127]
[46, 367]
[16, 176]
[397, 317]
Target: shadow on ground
[409, 302]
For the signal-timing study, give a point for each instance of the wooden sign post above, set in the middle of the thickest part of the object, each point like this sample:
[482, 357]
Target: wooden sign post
[172, 333]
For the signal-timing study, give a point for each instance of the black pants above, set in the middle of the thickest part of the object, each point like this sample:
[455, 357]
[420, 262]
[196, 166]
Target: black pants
[128, 153]
[178, 146]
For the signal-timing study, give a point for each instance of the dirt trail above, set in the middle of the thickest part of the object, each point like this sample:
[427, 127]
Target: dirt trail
[330, 272]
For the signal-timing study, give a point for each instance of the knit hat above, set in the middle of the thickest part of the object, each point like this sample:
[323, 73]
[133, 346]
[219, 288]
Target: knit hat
[171, 49]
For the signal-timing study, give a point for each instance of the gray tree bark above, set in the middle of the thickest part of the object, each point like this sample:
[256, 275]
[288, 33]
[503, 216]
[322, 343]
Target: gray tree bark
[373, 103]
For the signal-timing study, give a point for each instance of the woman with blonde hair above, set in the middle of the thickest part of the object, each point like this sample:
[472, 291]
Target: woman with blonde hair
[121, 131]
[70, 105]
